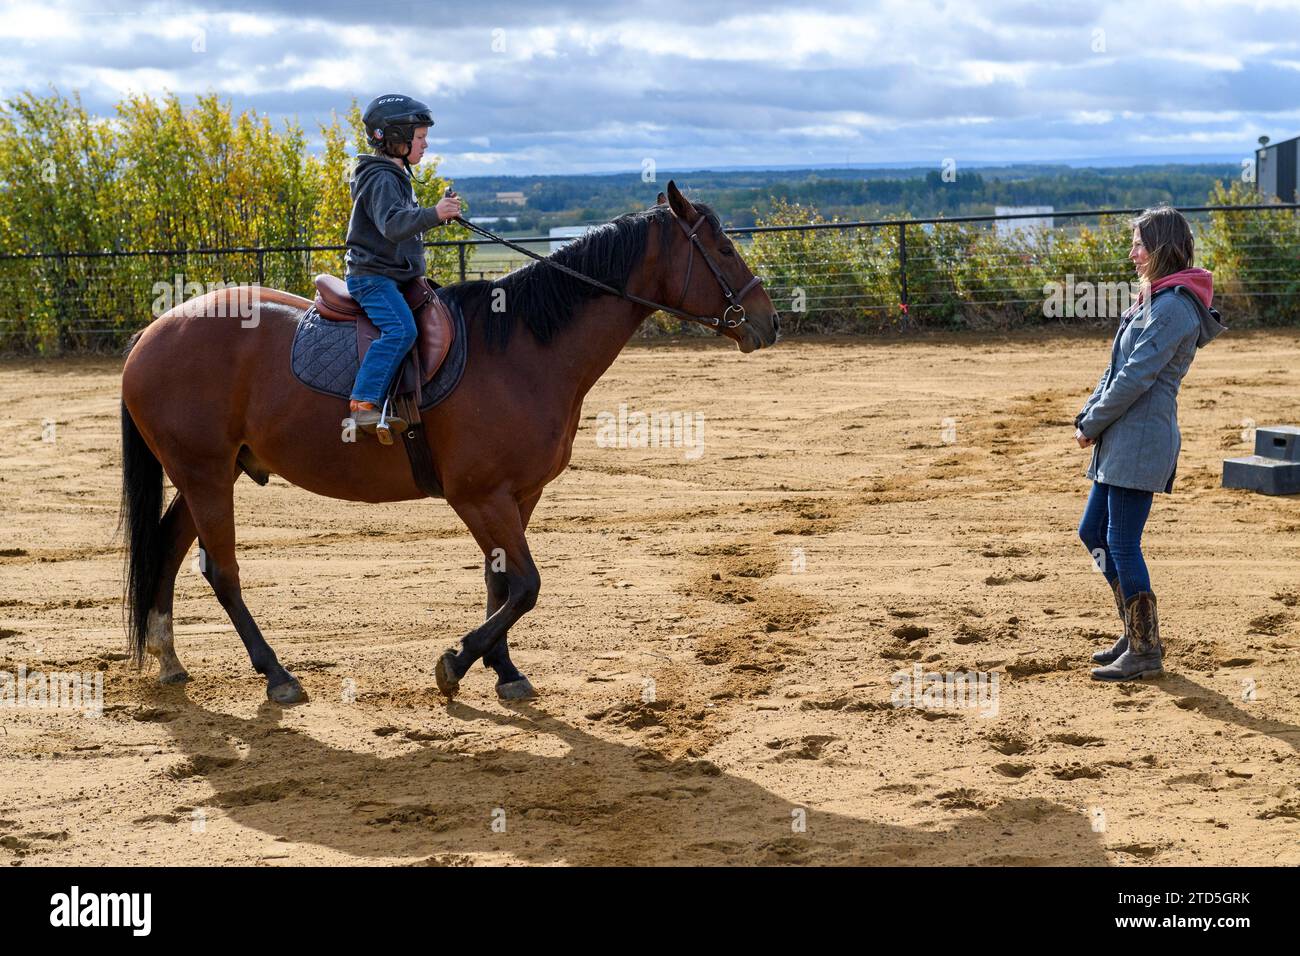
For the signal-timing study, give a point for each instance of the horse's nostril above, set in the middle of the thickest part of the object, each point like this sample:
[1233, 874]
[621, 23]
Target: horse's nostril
[776, 322]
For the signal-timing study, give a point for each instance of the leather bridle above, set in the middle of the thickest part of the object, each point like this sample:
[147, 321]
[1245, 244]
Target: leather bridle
[735, 300]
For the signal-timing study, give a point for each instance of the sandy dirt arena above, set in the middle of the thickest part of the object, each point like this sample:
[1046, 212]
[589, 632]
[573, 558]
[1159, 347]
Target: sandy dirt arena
[714, 641]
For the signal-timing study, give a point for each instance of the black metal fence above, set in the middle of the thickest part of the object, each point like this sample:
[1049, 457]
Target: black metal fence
[975, 272]
[962, 271]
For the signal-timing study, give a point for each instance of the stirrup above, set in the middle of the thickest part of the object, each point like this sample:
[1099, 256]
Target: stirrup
[388, 424]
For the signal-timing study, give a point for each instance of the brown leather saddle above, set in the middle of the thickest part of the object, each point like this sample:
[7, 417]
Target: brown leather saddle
[434, 333]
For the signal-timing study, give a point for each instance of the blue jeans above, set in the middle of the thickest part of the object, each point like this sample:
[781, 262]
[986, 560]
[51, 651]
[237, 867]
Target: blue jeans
[1111, 529]
[383, 302]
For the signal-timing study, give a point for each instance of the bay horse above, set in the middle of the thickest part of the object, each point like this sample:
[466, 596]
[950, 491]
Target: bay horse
[207, 393]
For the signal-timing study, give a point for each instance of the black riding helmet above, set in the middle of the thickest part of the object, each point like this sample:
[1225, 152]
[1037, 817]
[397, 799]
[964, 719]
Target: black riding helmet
[392, 119]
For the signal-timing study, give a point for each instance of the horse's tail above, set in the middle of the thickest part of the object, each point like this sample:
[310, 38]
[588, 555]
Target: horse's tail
[141, 513]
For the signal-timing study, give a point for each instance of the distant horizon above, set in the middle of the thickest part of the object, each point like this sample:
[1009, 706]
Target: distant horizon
[1099, 162]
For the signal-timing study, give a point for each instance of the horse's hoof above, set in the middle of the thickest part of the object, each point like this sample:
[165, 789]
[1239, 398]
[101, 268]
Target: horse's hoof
[180, 677]
[288, 692]
[445, 674]
[520, 689]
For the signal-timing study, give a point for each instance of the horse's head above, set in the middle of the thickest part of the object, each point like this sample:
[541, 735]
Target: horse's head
[722, 286]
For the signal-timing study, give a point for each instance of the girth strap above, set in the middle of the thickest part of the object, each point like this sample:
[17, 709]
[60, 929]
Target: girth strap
[416, 442]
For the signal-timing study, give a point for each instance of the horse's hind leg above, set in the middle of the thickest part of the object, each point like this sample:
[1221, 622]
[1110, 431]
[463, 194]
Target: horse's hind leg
[211, 501]
[178, 533]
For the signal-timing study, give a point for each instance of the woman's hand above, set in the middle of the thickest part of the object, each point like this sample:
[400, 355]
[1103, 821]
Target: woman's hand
[448, 207]
[1083, 440]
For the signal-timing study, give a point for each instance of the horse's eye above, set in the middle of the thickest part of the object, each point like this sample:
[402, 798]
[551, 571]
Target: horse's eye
[727, 250]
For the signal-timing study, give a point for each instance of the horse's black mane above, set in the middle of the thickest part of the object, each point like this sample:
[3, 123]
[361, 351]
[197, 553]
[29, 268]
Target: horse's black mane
[545, 299]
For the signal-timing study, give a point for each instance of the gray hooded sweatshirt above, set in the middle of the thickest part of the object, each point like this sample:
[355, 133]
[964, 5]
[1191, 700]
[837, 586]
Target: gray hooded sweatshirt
[385, 232]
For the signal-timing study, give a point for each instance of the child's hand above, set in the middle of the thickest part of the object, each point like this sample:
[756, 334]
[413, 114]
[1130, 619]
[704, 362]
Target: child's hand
[448, 207]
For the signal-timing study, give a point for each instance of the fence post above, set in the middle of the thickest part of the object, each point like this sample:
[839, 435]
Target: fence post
[460, 251]
[902, 271]
[63, 339]
[261, 267]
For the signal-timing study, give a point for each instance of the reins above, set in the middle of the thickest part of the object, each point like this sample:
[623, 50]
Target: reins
[734, 299]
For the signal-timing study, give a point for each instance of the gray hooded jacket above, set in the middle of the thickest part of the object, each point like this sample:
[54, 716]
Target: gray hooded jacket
[385, 232]
[1133, 412]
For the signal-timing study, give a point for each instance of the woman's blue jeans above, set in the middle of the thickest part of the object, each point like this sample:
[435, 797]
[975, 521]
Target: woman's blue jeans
[383, 302]
[1111, 529]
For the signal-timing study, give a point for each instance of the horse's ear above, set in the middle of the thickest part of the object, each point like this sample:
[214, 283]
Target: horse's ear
[661, 199]
[682, 207]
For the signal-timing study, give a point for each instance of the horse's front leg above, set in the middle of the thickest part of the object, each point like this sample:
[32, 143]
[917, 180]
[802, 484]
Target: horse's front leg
[513, 581]
[511, 684]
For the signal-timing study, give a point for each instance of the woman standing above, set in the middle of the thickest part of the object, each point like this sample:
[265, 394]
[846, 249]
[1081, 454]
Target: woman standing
[1131, 420]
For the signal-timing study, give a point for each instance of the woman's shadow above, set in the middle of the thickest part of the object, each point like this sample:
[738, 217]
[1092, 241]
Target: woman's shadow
[585, 801]
[1187, 694]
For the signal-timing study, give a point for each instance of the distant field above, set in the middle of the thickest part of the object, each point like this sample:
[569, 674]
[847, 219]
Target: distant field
[741, 196]
[496, 260]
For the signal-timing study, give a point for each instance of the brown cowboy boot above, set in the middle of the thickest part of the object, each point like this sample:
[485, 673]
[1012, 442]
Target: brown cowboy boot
[1121, 645]
[1145, 654]
[367, 417]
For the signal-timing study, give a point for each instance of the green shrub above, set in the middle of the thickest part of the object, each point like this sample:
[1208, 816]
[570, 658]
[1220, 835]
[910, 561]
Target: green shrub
[158, 176]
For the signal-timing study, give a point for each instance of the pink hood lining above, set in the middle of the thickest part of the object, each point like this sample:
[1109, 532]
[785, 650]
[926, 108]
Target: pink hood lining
[1200, 281]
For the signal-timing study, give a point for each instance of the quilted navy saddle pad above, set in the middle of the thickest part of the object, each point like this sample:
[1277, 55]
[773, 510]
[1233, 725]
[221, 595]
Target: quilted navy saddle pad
[324, 356]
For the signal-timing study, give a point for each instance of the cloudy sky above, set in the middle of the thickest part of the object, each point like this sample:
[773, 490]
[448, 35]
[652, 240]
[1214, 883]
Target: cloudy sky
[602, 85]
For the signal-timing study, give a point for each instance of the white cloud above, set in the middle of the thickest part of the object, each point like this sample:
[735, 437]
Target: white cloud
[984, 72]
[247, 24]
[439, 77]
[483, 159]
[1207, 59]
[1232, 137]
[32, 22]
[555, 87]
[124, 82]
[777, 40]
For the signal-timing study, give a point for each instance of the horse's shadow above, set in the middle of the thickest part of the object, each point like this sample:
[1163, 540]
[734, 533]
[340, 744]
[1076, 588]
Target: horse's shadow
[589, 802]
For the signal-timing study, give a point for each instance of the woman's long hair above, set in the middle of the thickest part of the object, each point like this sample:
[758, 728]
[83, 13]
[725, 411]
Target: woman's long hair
[1168, 240]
